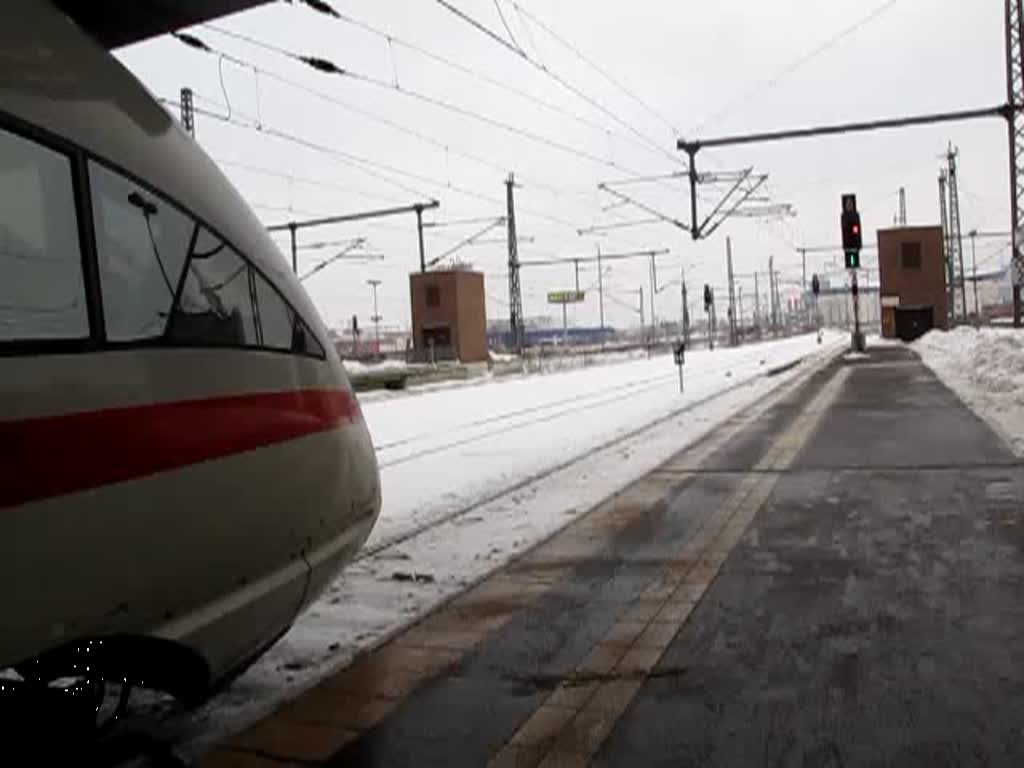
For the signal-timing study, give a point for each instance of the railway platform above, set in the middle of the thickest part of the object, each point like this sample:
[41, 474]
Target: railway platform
[832, 579]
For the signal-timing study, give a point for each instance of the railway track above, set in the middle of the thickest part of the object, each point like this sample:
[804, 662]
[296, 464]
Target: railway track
[421, 527]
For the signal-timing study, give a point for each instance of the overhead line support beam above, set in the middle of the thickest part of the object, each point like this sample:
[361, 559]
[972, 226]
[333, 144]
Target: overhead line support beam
[692, 148]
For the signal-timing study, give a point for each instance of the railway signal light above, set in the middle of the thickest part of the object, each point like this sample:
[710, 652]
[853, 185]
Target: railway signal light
[708, 298]
[815, 285]
[852, 236]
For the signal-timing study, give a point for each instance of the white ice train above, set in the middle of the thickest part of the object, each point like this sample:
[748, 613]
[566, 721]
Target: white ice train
[183, 464]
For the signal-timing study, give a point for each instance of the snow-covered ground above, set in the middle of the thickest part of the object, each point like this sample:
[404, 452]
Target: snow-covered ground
[448, 449]
[475, 475]
[985, 367]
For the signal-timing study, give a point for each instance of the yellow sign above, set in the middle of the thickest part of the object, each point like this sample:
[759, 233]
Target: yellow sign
[566, 297]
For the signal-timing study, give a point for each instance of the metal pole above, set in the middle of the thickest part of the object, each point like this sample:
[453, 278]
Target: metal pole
[856, 311]
[376, 313]
[188, 114]
[643, 324]
[361, 216]
[576, 266]
[692, 152]
[692, 147]
[515, 294]
[686, 310]
[292, 226]
[955, 230]
[654, 292]
[419, 232]
[947, 248]
[757, 305]
[973, 234]
[803, 282]
[732, 292]
[600, 291]
[565, 325]
[1015, 127]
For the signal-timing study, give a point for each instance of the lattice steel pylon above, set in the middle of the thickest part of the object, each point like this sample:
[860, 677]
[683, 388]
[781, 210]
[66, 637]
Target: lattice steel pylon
[901, 214]
[188, 114]
[515, 294]
[956, 240]
[1015, 101]
[947, 251]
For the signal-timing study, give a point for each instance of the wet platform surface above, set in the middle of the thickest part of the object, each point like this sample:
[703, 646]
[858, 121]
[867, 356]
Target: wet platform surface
[834, 578]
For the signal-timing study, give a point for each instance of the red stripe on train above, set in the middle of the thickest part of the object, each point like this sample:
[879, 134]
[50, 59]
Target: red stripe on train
[55, 455]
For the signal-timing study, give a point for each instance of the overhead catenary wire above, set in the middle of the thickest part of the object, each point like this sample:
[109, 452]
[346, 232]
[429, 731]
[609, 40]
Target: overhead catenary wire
[501, 15]
[357, 162]
[393, 40]
[307, 180]
[328, 67]
[360, 164]
[800, 62]
[630, 93]
[400, 127]
[674, 158]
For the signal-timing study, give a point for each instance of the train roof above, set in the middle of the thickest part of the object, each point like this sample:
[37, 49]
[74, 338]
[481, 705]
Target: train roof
[114, 23]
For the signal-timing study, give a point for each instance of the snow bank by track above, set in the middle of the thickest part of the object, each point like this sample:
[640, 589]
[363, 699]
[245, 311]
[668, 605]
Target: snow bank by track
[985, 367]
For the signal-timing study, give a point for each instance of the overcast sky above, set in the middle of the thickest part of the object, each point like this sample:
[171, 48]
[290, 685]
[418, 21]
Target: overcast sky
[698, 69]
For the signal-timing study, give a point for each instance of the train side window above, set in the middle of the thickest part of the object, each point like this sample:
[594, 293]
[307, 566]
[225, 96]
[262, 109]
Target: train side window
[42, 291]
[276, 318]
[216, 305]
[281, 328]
[141, 243]
[303, 340]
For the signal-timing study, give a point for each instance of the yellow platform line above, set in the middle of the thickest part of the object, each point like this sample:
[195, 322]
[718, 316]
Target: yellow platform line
[571, 724]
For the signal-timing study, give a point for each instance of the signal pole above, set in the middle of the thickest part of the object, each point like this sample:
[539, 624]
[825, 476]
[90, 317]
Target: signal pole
[858, 340]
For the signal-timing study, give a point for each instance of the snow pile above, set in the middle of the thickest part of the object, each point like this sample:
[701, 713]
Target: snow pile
[985, 367]
[356, 368]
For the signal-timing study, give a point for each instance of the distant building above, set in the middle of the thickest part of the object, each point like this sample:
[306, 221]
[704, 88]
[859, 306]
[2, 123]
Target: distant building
[912, 281]
[449, 319]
